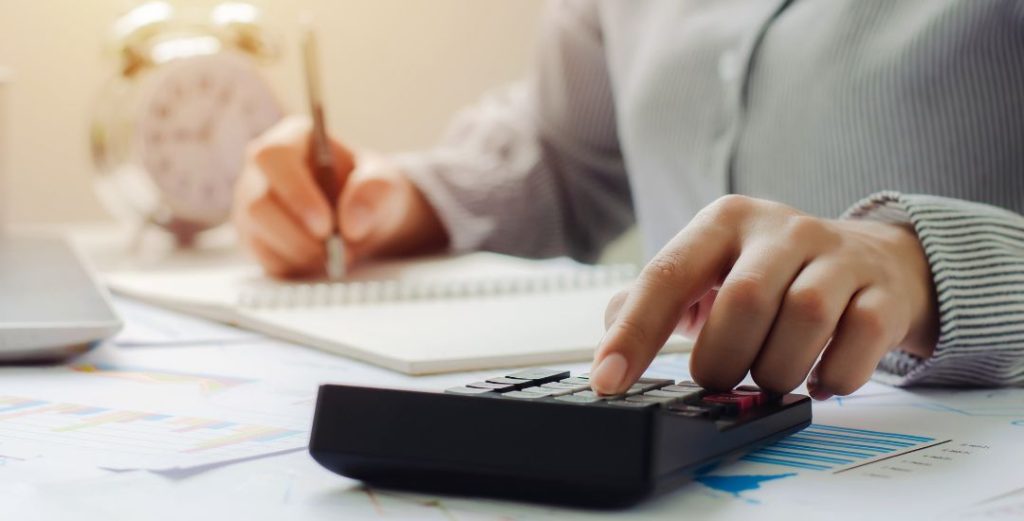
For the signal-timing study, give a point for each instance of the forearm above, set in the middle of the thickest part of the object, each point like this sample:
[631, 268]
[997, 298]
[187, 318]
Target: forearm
[535, 170]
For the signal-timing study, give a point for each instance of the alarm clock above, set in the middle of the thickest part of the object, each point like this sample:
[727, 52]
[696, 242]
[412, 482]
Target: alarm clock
[170, 128]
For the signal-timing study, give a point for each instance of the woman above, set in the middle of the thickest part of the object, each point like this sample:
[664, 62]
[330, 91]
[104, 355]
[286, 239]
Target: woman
[653, 111]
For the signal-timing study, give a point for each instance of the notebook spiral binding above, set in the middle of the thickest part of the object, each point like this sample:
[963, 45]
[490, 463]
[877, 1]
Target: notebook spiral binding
[323, 294]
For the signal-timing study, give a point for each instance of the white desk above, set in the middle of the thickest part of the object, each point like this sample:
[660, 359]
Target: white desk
[978, 454]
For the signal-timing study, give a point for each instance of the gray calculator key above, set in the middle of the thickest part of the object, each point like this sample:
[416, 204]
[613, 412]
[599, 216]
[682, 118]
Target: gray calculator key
[645, 398]
[509, 381]
[562, 389]
[491, 385]
[576, 380]
[525, 395]
[543, 374]
[687, 383]
[559, 385]
[673, 394]
[467, 390]
[575, 398]
[592, 394]
[627, 403]
[681, 388]
[654, 383]
[693, 410]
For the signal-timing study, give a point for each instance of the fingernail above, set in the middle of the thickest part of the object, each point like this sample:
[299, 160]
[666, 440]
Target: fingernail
[607, 377]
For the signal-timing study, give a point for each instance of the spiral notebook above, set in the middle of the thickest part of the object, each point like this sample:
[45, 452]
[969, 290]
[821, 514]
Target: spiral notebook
[471, 312]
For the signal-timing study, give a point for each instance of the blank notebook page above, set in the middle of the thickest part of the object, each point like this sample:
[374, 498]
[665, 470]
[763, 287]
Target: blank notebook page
[470, 312]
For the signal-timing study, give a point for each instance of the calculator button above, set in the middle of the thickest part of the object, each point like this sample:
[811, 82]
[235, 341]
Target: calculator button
[681, 389]
[626, 403]
[758, 397]
[693, 411]
[576, 398]
[492, 386]
[592, 394]
[559, 385]
[467, 390]
[576, 380]
[646, 398]
[562, 389]
[525, 395]
[672, 394]
[514, 382]
[653, 383]
[538, 376]
[732, 402]
[688, 383]
[766, 397]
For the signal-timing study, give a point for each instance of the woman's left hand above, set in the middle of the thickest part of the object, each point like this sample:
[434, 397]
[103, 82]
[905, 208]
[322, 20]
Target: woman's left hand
[767, 289]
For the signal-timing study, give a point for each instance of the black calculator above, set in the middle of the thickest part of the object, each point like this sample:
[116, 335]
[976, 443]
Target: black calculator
[544, 435]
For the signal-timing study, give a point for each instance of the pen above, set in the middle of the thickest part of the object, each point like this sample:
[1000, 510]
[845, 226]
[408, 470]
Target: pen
[321, 158]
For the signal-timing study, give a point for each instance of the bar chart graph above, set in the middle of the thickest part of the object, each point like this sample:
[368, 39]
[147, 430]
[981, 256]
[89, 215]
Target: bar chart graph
[116, 438]
[833, 448]
[208, 384]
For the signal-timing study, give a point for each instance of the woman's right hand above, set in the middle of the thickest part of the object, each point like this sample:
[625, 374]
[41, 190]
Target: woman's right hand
[283, 218]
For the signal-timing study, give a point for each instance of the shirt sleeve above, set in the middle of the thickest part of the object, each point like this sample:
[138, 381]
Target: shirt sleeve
[535, 170]
[976, 254]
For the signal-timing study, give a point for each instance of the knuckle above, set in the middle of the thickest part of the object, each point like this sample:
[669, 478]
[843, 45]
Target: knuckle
[803, 228]
[809, 304]
[869, 321]
[665, 269]
[746, 294]
[730, 207]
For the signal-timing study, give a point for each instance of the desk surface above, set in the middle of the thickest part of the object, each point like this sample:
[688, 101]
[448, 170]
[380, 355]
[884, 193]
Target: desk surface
[969, 469]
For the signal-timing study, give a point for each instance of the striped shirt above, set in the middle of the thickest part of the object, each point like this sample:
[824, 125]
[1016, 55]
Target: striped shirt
[644, 111]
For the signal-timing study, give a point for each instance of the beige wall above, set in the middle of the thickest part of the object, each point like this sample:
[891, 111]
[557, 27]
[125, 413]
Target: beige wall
[395, 71]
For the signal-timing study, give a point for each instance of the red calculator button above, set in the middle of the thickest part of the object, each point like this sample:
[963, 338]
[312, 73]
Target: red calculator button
[739, 402]
[759, 397]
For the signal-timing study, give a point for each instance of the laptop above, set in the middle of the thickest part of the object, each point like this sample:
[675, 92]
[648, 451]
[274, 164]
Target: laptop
[51, 307]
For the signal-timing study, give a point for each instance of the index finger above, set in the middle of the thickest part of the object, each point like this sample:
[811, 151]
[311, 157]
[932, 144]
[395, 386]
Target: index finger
[282, 154]
[689, 266]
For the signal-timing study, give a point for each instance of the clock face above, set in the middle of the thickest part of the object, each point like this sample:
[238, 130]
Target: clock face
[196, 116]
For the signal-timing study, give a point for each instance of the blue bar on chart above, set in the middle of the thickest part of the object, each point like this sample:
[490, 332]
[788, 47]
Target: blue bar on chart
[828, 447]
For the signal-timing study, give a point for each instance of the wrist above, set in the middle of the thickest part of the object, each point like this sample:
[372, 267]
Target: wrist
[924, 328]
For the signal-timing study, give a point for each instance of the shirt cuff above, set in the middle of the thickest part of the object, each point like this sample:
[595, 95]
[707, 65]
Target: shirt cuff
[466, 231]
[973, 352]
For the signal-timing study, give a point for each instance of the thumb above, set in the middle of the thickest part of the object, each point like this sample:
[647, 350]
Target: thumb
[371, 210]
